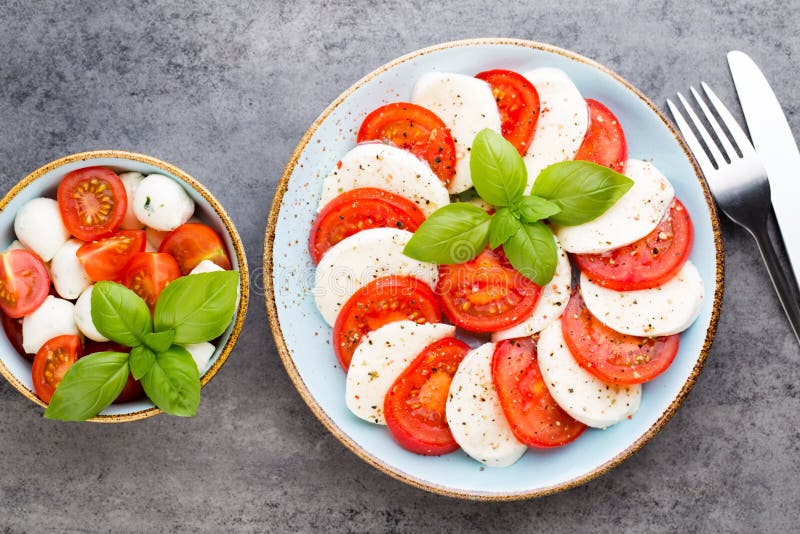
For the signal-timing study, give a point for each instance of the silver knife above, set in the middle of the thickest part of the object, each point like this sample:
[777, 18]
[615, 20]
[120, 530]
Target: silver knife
[776, 147]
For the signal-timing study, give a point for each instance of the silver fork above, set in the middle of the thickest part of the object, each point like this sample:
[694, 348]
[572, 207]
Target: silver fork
[738, 183]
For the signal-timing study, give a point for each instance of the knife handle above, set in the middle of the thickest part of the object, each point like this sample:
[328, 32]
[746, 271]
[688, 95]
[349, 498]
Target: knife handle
[783, 285]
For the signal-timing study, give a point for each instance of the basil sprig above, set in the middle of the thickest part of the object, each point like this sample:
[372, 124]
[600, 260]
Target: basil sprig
[191, 309]
[567, 194]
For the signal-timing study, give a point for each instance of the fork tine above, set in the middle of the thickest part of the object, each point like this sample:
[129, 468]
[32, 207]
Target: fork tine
[711, 145]
[727, 147]
[694, 144]
[741, 139]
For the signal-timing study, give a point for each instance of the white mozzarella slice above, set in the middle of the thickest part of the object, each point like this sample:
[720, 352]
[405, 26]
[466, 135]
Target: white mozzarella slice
[131, 181]
[466, 105]
[552, 302]
[83, 316]
[206, 266]
[631, 218]
[357, 260]
[39, 227]
[67, 272]
[389, 168]
[583, 396]
[562, 121]
[380, 358]
[661, 311]
[475, 415]
[201, 354]
[55, 317]
[162, 203]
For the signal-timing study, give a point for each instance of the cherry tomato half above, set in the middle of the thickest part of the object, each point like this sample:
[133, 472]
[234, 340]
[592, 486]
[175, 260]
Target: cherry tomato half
[106, 258]
[13, 330]
[604, 142]
[24, 282]
[92, 202]
[361, 209]
[415, 129]
[610, 356]
[52, 362]
[148, 273]
[518, 103]
[415, 405]
[192, 243]
[486, 294]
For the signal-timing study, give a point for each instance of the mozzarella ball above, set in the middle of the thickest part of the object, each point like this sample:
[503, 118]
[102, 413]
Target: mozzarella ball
[39, 227]
[83, 316]
[201, 354]
[131, 181]
[55, 317]
[67, 272]
[206, 266]
[162, 203]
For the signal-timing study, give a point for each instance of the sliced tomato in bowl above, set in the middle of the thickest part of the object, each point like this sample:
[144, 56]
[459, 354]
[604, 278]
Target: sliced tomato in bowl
[357, 210]
[610, 356]
[535, 417]
[24, 282]
[486, 294]
[52, 362]
[518, 104]
[604, 142]
[148, 273]
[191, 243]
[13, 330]
[416, 129]
[92, 202]
[647, 263]
[382, 301]
[415, 405]
[106, 258]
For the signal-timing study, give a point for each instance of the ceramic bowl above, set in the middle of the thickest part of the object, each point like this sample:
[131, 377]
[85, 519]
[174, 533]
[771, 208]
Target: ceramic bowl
[304, 340]
[44, 182]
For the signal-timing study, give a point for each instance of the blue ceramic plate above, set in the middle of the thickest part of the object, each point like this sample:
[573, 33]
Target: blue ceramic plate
[303, 338]
[44, 182]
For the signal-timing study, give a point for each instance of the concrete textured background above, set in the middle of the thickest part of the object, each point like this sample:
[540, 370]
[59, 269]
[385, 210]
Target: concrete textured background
[225, 91]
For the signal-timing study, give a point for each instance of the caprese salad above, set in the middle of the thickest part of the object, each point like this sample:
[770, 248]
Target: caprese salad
[468, 214]
[86, 292]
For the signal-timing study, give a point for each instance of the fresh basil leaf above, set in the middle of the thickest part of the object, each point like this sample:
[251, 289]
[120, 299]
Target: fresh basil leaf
[452, 234]
[91, 384]
[532, 251]
[532, 208]
[582, 190]
[504, 224]
[142, 360]
[173, 382]
[498, 171]
[120, 314]
[197, 307]
[159, 341]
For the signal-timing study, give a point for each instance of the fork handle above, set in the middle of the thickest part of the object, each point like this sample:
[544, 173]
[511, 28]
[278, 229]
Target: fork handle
[783, 285]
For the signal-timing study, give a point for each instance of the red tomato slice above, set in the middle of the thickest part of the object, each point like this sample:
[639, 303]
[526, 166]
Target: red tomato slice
[382, 301]
[192, 243]
[647, 263]
[148, 273]
[52, 362]
[604, 142]
[92, 202]
[24, 282]
[133, 388]
[610, 356]
[13, 330]
[535, 417]
[361, 209]
[105, 259]
[486, 294]
[518, 103]
[415, 405]
[415, 129]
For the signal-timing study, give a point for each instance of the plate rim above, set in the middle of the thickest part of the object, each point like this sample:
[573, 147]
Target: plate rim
[345, 439]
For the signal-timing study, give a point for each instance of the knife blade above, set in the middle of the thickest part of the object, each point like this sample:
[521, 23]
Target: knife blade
[775, 145]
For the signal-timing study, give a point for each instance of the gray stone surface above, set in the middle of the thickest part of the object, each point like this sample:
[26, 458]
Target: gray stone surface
[225, 91]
